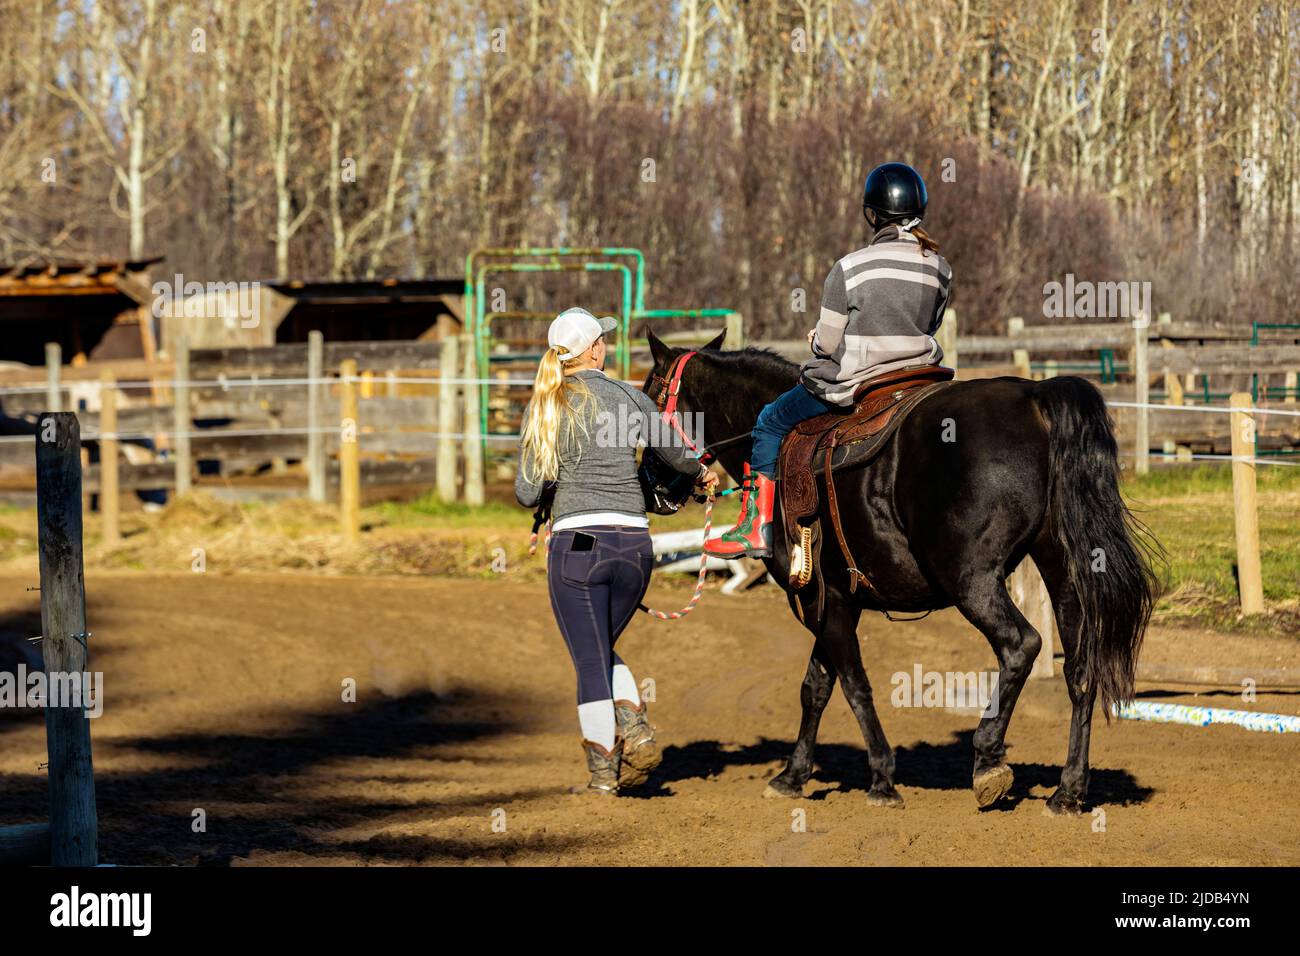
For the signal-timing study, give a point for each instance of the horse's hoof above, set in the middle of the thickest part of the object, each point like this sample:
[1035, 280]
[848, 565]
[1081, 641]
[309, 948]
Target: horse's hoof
[1061, 804]
[777, 789]
[992, 785]
[890, 798]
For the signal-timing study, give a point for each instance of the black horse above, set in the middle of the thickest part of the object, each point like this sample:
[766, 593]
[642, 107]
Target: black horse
[979, 475]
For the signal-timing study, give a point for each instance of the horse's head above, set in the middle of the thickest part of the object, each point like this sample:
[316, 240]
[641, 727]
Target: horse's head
[663, 357]
[726, 389]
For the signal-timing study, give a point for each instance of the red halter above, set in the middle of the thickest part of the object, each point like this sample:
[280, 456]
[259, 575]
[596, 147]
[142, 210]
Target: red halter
[667, 398]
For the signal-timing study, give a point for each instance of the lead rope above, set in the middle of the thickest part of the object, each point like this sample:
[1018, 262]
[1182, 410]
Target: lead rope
[699, 581]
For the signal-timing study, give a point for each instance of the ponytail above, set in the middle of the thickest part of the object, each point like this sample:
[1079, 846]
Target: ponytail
[923, 237]
[557, 409]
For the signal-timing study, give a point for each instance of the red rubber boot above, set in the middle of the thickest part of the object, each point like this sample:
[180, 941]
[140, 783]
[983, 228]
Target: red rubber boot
[752, 535]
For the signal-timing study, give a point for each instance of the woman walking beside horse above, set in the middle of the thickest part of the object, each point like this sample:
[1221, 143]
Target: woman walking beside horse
[580, 436]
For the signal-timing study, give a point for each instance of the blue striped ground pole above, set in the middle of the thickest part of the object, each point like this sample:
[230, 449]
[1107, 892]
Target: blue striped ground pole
[1204, 716]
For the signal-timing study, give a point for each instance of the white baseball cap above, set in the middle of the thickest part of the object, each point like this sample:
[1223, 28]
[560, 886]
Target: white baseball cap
[574, 330]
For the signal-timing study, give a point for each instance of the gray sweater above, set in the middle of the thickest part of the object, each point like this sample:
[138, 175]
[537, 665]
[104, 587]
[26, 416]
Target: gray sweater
[598, 471]
[880, 309]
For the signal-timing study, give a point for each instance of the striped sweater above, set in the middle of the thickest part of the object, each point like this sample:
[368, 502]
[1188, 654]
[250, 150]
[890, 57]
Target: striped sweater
[880, 309]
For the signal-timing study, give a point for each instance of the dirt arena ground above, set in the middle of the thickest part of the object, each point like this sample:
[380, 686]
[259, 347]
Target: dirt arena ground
[224, 693]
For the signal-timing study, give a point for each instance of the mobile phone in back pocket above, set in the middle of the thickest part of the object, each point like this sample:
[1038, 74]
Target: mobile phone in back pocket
[583, 541]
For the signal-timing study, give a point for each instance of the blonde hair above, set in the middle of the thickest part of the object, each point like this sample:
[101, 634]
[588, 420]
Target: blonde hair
[557, 411]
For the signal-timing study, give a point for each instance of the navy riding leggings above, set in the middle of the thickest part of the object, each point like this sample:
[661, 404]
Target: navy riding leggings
[594, 594]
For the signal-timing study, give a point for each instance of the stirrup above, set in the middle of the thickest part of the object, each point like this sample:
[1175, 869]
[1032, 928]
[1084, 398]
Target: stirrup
[801, 559]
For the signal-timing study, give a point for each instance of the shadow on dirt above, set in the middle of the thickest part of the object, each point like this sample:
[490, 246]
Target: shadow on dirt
[255, 796]
[926, 766]
[20, 656]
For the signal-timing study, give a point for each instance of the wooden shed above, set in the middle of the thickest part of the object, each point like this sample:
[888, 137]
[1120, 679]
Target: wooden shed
[270, 312]
[92, 309]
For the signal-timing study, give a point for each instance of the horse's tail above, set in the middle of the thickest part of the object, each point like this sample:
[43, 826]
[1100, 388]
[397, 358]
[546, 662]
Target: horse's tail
[1107, 551]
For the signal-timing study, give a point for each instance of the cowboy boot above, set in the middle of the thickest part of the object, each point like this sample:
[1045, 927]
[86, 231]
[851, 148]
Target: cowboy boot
[604, 766]
[752, 535]
[641, 752]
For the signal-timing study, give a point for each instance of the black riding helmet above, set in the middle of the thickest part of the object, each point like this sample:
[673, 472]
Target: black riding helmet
[895, 192]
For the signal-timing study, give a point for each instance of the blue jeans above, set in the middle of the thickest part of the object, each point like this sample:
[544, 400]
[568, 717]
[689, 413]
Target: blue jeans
[775, 421]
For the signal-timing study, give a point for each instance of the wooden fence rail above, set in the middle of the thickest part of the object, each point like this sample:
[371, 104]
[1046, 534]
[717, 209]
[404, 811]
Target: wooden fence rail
[1080, 337]
[291, 359]
[1225, 359]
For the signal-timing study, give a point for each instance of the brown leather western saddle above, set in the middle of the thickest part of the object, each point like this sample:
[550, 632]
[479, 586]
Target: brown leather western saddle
[838, 440]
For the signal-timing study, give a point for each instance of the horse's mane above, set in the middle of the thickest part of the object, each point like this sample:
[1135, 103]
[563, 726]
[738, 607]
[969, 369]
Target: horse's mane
[760, 360]
[758, 373]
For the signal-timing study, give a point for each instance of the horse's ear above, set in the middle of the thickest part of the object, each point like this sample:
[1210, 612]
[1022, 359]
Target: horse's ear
[717, 341]
[661, 353]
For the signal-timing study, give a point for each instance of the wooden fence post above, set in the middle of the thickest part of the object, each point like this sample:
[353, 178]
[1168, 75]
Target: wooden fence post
[108, 458]
[1142, 378]
[448, 445]
[1029, 592]
[181, 416]
[349, 454]
[947, 336]
[474, 492]
[315, 400]
[1019, 356]
[1245, 511]
[735, 338]
[279, 464]
[53, 367]
[1174, 393]
[74, 839]
[1173, 384]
